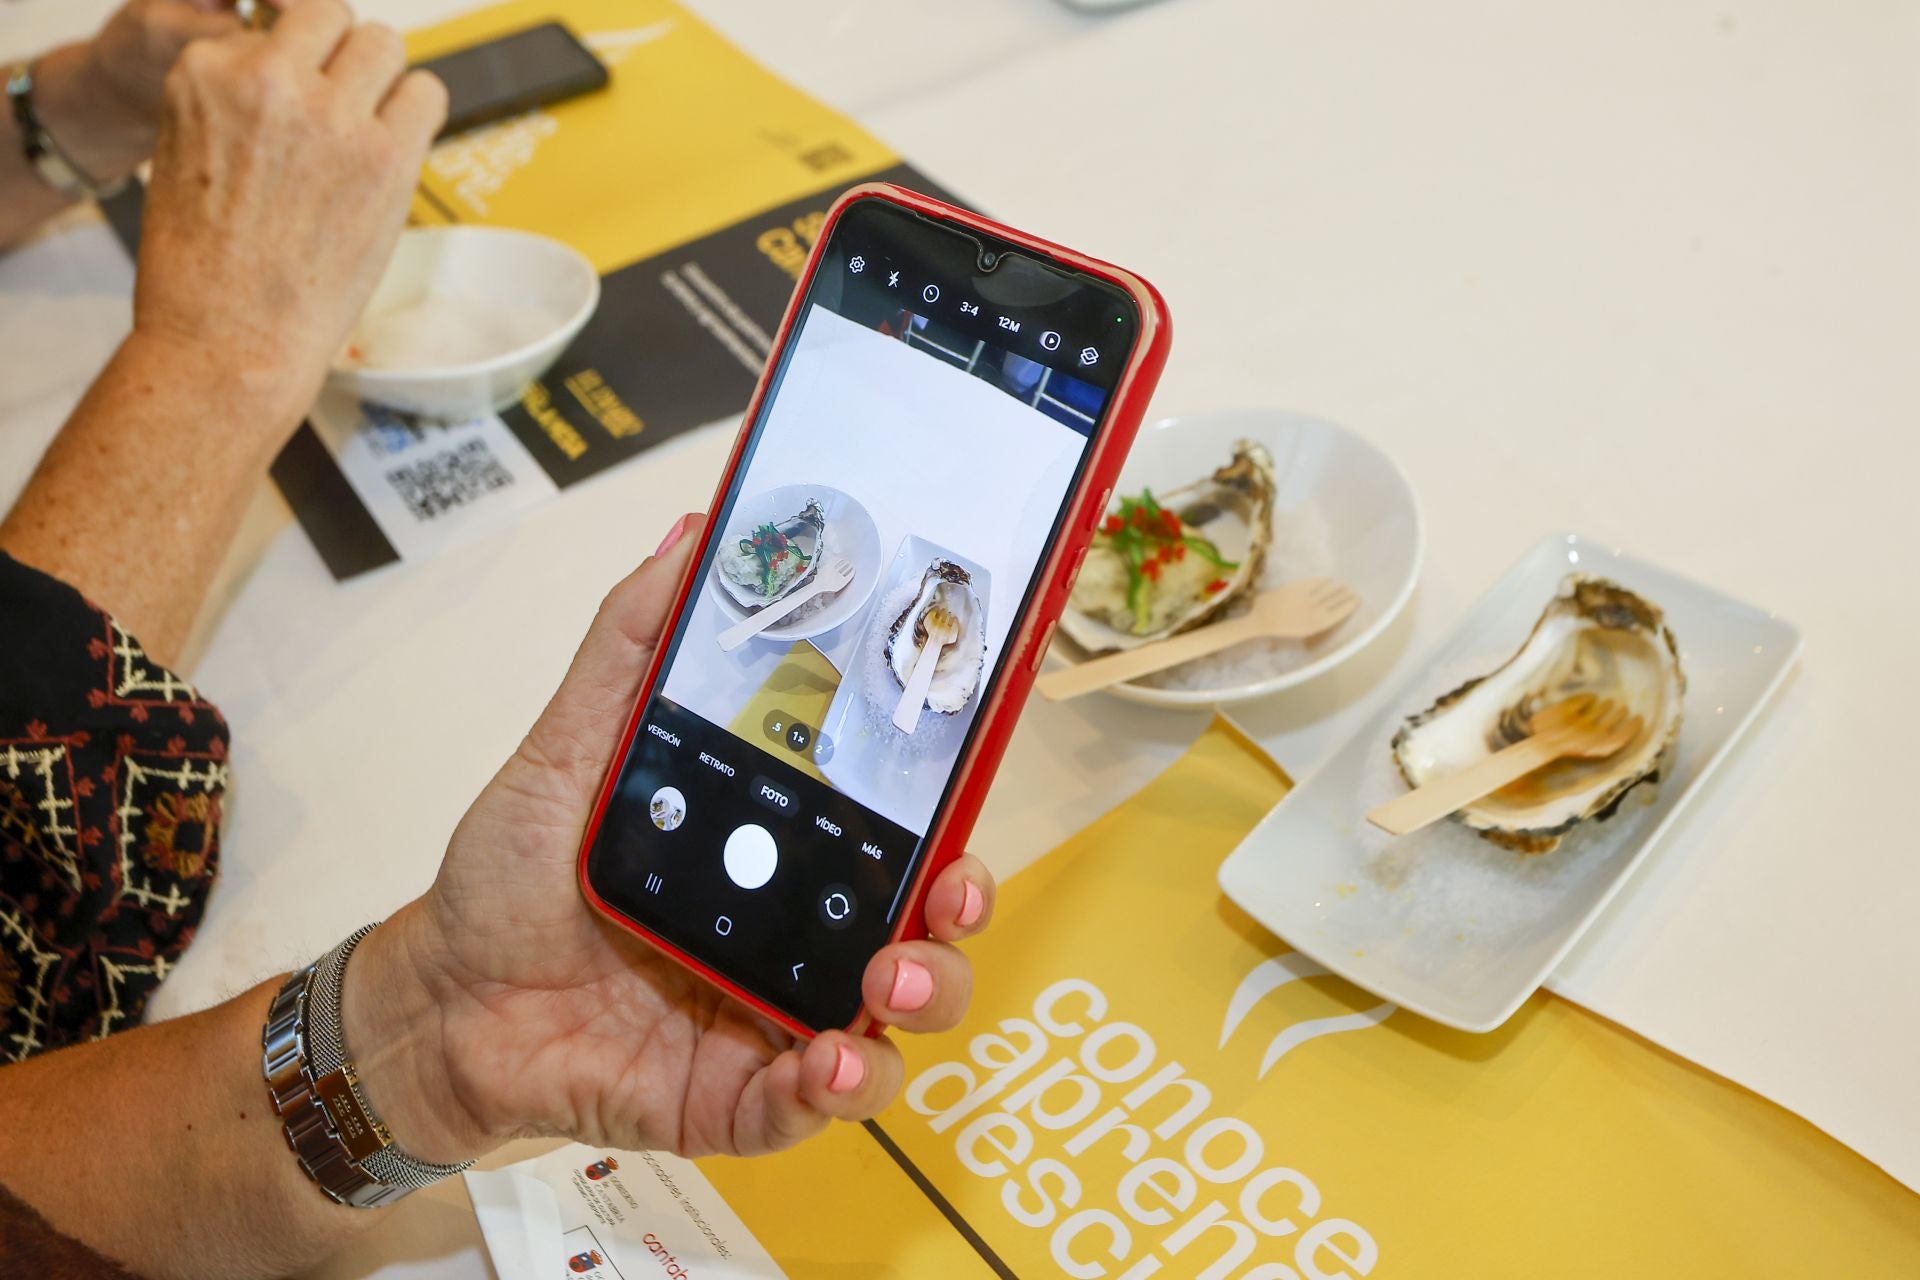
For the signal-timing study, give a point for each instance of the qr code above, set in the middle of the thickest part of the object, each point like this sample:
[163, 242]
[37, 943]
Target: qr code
[435, 485]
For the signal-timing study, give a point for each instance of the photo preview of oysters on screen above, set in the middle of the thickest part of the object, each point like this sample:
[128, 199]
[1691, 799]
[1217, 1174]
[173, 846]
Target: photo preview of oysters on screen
[850, 630]
[785, 578]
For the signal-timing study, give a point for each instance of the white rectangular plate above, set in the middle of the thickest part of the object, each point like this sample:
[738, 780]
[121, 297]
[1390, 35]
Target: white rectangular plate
[1444, 923]
[872, 763]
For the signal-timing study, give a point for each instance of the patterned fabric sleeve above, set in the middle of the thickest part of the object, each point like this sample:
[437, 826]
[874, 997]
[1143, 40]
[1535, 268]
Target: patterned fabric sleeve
[29, 1247]
[112, 772]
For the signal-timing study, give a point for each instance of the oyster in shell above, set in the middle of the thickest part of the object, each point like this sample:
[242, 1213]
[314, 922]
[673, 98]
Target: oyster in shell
[1166, 563]
[1594, 637]
[956, 672]
[765, 562]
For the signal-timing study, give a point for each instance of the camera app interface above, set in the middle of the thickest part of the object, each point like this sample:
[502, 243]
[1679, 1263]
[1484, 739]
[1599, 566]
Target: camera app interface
[904, 480]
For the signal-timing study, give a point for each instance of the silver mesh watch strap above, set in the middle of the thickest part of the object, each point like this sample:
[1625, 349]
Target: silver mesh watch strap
[316, 1092]
[44, 152]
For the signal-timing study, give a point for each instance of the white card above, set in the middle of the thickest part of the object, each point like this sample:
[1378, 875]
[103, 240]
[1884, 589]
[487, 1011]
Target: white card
[621, 1215]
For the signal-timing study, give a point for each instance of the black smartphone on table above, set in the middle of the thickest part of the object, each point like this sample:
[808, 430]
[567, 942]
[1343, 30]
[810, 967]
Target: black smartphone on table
[541, 65]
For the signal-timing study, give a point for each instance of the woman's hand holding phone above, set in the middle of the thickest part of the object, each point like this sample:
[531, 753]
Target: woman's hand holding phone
[946, 406]
[500, 1005]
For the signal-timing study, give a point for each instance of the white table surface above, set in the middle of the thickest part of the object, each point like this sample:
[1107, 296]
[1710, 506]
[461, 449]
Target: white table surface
[1647, 271]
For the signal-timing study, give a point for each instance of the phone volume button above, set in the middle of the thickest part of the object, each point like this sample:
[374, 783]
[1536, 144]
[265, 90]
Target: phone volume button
[1074, 565]
[1099, 508]
[1040, 649]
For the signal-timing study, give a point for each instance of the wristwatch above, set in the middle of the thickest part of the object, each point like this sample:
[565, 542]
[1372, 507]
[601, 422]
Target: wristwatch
[44, 152]
[339, 1141]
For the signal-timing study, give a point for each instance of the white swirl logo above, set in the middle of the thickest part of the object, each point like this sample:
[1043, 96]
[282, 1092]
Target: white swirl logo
[1269, 976]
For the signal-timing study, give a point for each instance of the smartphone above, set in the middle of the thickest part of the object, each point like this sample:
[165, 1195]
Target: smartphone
[935, 436]
[514, 73]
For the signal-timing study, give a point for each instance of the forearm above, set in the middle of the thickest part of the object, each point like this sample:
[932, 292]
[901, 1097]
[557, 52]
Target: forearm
[169, 1130]
[106, 137]
[138, 497]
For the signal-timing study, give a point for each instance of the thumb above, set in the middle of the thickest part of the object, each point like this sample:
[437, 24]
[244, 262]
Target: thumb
[581, 727]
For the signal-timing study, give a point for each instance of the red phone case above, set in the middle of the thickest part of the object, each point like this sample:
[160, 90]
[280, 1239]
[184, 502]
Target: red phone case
[946, 839]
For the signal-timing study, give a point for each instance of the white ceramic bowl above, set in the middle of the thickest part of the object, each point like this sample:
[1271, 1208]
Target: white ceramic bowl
[850, 533]
[1324, 473]
[464, 320]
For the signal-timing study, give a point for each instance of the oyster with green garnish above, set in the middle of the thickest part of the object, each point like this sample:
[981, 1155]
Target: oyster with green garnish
[1166, 563]
[766, 561]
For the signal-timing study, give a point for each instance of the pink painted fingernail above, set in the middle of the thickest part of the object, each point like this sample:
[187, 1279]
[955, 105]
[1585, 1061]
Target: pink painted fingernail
[972, 903]
[912, 987]
[848, 1070]
[673, 535]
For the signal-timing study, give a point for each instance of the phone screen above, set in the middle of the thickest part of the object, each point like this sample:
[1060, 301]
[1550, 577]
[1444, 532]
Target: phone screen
[907, 471]
[514, 73]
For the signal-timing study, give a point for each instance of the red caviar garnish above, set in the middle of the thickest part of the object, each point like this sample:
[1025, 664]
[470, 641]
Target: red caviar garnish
[1147, 537]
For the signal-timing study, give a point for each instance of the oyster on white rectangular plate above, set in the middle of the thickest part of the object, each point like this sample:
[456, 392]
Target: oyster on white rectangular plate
[1595, 637]
[1461, 928]
[956, 672]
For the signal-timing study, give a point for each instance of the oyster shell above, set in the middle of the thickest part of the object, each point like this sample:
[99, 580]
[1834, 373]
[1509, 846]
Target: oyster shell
[956, 672]
[756, 569]
[1595, 637]
[1232, 510]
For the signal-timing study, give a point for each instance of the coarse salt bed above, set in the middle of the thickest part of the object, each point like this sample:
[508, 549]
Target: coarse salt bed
[437, 333]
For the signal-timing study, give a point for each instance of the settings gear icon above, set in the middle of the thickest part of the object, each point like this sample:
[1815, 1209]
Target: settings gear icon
[857, 264]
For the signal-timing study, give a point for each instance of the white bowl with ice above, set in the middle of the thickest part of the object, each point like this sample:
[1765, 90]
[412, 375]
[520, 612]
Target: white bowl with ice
[464, 320]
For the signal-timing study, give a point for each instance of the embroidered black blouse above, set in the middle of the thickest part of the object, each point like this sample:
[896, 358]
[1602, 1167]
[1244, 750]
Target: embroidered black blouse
[112, 771]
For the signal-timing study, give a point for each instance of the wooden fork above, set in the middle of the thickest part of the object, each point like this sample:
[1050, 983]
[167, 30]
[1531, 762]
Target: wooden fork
[942, 630]
[1584, 727]
[1293, 612]
[831, 576]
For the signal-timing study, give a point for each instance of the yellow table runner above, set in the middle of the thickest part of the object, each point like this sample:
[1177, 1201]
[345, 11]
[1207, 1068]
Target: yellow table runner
[680, 147]
[1148, 1086]
[801, 687]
